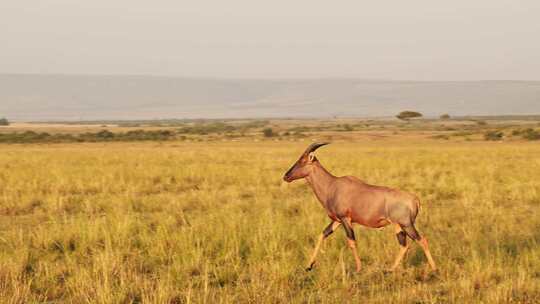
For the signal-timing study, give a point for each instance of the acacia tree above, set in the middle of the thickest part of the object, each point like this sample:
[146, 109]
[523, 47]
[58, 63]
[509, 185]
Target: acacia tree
[406, 115]
[4, 122]
[445, 116]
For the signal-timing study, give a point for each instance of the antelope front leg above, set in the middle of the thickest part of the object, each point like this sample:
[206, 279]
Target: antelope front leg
[351, 241]
[326, 232]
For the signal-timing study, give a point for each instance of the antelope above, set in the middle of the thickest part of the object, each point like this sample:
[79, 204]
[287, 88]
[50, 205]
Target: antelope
[348, 200]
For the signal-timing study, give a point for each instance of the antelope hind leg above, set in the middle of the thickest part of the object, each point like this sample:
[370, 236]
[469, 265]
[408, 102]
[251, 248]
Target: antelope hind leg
[404, 247]
[422, 241]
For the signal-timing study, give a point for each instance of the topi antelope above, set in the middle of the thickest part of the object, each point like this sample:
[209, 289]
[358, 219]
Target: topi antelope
[348, 200]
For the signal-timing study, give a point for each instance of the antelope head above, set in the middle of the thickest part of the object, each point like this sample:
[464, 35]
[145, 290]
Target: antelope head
[304, 164]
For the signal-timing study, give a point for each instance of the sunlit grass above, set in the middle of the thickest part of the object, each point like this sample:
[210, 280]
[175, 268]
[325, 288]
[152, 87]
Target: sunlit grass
[195, 223]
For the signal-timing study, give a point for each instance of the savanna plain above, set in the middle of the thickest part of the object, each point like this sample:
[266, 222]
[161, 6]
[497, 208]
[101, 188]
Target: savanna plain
[213, 222]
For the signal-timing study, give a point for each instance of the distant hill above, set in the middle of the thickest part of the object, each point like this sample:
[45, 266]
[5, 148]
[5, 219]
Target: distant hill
[69, 97]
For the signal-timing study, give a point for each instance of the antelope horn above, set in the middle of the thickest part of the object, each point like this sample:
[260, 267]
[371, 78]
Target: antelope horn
[314, 146]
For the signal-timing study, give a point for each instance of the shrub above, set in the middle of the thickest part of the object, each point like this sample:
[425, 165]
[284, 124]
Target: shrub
[268, 132]
[531, 134]
[493, 135]
[517, 132]
[444, 116]
[105, 134]
[347, 128]
[4, 122]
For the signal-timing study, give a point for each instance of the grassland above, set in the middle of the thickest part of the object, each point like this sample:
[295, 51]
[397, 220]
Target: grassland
[212, 222]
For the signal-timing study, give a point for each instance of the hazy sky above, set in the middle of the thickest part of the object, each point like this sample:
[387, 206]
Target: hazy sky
[420, 40]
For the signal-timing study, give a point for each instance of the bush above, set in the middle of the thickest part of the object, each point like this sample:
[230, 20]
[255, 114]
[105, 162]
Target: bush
[517, 132]
[4, 122]
[268, 132]
[105, 134]
[347, 128]
[493, 135]
[531, 134]
[406, 115]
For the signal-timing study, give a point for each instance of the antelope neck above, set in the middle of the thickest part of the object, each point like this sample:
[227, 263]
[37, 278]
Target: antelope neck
[320, 180]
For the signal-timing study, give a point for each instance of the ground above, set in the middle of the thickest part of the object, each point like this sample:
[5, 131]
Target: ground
[212, 221]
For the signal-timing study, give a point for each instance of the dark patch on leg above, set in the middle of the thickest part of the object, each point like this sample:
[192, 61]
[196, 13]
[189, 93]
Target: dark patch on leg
[411, 232]
[402, 238]
[348, 230]
[328, 230]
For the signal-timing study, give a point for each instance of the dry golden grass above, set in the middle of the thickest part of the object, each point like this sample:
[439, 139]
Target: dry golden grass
[213, 222]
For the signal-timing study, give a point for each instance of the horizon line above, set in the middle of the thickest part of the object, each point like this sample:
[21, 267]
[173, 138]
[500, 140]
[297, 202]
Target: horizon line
[303, 118]
[222, 78]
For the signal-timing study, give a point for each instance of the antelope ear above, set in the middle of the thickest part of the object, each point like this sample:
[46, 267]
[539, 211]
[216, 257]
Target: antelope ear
[311, 156]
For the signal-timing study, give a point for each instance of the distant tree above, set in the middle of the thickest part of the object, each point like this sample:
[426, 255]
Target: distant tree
[406, 115]
[268, 132]
[445, 116]
[4, 122]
